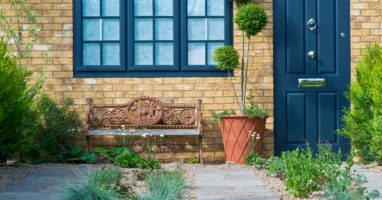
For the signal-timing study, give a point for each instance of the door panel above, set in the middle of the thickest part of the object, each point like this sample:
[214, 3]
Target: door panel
[310, 115]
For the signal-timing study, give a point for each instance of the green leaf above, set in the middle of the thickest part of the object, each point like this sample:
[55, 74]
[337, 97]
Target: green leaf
[49, 144]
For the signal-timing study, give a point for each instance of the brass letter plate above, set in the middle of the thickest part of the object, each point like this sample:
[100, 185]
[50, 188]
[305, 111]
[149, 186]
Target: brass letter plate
[311, 83]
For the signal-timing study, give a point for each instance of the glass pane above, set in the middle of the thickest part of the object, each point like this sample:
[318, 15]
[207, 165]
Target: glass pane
[216, 29]
[90, 8]
[196, 7]
[110, 54]
[211, 47]
[110, 29]
[143, 7]
[196, 53]
[164, 29]
[91, 29]
[143, 53]
[110, 7]
[91, 54]
[164, 53]
[215, 7]
[163, 7]
[143, 29]
[197, 29]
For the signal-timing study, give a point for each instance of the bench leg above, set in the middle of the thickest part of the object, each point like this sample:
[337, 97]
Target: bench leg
[88, 143]
[201, 149]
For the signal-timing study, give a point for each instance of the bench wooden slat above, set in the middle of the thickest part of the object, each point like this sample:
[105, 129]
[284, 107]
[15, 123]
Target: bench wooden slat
[140, 132]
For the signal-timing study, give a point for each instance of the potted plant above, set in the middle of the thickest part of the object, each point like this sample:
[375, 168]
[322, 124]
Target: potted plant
[237, 130]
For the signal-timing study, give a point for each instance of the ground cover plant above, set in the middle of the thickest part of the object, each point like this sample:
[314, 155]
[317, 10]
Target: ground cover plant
[164, 185]
[317, 175]
[363, 120]
[97, 185]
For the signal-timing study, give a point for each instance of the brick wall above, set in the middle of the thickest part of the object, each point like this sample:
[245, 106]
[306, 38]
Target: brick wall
[54, 18]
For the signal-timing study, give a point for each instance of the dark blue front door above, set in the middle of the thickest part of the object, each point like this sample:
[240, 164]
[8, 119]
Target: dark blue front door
[311, 70]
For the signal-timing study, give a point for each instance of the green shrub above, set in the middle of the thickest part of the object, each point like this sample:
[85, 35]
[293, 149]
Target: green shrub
[98, 185]
[251, 19]
[192, 160]
[305, 172]
[363, 121]
[241, 2]
[17, 119]
[165, 185]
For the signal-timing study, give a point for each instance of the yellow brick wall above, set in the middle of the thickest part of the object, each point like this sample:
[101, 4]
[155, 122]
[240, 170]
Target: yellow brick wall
[54, 18]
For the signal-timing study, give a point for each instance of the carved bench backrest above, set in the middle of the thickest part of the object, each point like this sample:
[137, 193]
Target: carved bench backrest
[144, 112]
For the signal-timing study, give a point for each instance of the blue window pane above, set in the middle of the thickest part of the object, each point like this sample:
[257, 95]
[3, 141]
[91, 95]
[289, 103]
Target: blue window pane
[143, 29]
[164, 53]
[197, 29]
[110, 29]
[143, 7]
[215, 7]
[90, 8]
[196, 53]
[164, 7]
[196, 7]
[211, 47]
[91, 29]
[110, 54]
[110, 7]
[143, 53]
[164, 29]
[91, 54]
[216, 29]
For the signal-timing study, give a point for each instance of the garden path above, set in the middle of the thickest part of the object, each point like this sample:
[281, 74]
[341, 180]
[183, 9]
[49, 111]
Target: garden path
[374, 179]
[230, 183]
[44, 184]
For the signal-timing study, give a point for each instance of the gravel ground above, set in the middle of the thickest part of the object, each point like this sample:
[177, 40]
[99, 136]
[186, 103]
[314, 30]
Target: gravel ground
[374, 167]
[11, 174]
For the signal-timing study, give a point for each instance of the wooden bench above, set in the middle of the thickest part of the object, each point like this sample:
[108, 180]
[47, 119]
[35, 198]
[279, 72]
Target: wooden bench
[145, 115]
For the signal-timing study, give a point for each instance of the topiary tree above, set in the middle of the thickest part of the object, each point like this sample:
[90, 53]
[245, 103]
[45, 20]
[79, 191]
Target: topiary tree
[227, 58]
[251, 19]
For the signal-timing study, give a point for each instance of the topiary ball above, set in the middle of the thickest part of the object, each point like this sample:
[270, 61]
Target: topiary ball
[227, 58]
[251, 19]
[241, 2]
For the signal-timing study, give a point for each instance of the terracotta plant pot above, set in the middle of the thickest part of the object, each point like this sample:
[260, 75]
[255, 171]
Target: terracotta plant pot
[235, 129]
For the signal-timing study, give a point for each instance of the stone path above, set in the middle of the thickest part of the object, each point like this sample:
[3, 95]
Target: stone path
[44, 184]
[374, 179]
[230, 184]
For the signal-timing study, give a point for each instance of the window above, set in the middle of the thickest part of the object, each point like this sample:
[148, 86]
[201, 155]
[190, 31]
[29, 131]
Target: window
[149, 38]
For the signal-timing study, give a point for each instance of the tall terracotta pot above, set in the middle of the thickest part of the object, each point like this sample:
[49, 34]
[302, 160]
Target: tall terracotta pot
[235, 129]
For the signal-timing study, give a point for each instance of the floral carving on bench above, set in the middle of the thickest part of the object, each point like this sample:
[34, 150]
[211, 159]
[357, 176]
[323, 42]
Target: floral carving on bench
[146, 112]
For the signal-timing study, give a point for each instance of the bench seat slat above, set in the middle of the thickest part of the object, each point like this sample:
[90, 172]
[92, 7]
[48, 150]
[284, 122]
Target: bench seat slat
[139, 132]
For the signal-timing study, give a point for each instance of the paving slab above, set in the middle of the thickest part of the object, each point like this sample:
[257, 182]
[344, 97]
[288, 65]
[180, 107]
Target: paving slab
[45, 184]
[230, 184]
[374, 179]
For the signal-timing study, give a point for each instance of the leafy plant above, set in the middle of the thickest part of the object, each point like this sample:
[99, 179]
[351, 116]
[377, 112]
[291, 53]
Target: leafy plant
[101, 185]
[363, 121]
[192, 160]
[253, 110]
[165, 185]
[77, 155]
[306, 172]
[127, 159]
[256, 161]
[110, 154]
[17, 119]
[346, 187]
[149, 163]
[241, 2]
[217, 116]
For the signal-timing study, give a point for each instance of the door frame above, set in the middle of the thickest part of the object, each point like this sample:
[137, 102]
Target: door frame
[278, 45]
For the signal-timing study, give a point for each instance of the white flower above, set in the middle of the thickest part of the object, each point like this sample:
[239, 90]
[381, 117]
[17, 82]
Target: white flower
[161, 135]
[253, 135]
[123, 126]
[258, 137]
[144, 136]
[132, 131]
[151, 135]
